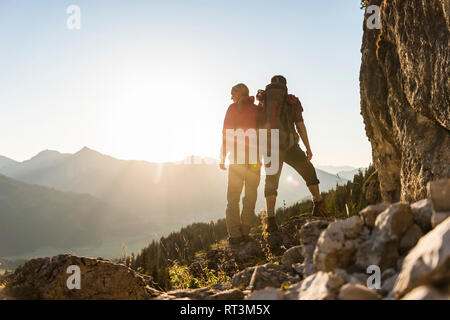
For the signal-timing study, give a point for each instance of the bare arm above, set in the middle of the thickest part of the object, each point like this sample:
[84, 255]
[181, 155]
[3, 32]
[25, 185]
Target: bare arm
[223, 153]
[222, 158]
[301, 128]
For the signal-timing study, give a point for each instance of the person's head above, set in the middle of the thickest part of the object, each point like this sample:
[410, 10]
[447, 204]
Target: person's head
[278, 79]
[238, 91]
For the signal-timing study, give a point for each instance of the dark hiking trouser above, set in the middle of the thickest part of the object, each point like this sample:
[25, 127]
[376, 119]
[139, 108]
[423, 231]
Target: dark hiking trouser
[297, 159]
[240, 175]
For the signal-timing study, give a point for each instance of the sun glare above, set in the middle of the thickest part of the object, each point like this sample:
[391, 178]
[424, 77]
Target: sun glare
[157, 117]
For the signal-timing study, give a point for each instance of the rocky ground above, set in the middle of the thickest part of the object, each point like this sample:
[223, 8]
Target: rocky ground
[309, 258]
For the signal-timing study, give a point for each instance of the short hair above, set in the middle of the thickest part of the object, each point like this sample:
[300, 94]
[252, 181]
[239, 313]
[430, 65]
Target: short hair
[241, 89]
[278, 79]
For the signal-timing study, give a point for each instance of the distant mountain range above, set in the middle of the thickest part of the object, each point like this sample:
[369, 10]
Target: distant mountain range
[345, 172]
[129, 201]
[350, 173]
[6, 162]
[33, 217]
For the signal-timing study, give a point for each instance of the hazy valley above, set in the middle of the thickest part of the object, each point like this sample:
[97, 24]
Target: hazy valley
[93, 204]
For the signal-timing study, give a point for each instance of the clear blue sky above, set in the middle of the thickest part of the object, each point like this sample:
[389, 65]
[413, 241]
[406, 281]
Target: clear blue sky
[150, 80]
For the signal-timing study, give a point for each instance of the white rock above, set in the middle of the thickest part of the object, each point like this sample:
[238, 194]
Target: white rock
[370, 213]
[337, 243]
[382, 247]
[320, 286]
[357, 292]
[425, 293]
[428, 261]
[394, 221]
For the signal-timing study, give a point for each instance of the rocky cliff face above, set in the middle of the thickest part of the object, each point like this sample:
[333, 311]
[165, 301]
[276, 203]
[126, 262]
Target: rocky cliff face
[405, 95]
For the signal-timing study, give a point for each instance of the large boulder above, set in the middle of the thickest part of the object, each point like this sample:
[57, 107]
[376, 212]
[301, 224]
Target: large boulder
[320, 286]
[357, 292]
[392, 223]
[369, 214]
[404, 91]
[381, 248]
[47, 278]
[428, 263]
[439, 192]
[426, 293]
[422, 211]
[337, 244]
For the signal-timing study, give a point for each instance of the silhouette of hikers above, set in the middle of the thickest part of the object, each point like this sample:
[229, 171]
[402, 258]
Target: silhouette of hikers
[279, 113]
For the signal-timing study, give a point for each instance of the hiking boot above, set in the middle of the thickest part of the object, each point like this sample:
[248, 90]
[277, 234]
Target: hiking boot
[320, 209]
[272, 224]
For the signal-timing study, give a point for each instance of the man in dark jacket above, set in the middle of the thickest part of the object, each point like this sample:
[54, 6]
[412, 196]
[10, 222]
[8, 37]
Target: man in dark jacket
[294, 156]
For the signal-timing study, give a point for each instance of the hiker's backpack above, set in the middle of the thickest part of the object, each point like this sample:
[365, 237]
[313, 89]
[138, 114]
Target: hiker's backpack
[275, 114]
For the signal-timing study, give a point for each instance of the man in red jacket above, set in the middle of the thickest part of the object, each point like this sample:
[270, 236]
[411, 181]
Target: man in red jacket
[241, 123]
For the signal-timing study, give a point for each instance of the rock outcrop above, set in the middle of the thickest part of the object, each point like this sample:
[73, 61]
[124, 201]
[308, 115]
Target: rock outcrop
[352, 291]
[47, 278]
[405, 92]
[428, 262]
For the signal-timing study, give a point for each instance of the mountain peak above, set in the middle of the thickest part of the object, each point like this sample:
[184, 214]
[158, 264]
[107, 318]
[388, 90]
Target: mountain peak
[89, 153]
[86, 150]
[46, 154]
[4, 162]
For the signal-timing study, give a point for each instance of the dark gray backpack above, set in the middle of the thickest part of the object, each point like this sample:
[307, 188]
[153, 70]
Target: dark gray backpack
[275, 114]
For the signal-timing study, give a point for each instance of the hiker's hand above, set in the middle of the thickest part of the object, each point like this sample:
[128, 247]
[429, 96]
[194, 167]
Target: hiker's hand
[260, 95]
[222, 166]
[309, 154]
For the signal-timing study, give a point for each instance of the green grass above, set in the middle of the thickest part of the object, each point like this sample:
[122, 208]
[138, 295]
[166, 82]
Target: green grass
[180, 278]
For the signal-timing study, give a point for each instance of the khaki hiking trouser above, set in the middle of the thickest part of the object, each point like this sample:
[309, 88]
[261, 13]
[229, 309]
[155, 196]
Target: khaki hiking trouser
[240, 175]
